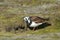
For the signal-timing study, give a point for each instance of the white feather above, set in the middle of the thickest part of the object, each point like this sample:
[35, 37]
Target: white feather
[33, 24]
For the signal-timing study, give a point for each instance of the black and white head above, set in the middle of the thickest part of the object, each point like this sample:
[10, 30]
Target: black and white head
[27, 19]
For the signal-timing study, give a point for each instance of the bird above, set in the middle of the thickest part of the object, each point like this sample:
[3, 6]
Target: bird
[34, 21]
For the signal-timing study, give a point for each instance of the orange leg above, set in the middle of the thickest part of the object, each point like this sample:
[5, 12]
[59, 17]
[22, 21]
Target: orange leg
[33, 28]
[36, 28]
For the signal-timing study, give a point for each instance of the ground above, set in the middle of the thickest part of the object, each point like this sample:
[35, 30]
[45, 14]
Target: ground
[13, 11]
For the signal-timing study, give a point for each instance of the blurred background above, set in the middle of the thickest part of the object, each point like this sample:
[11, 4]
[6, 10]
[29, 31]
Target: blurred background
[13, 11]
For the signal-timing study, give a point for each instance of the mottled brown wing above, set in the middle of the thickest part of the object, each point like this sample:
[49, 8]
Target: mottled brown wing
[37, 19]
[34, 18]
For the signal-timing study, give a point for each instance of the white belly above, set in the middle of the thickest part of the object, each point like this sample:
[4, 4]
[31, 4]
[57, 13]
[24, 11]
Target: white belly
[33, 24]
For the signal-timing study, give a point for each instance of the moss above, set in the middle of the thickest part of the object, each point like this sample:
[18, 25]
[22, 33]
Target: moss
[11, 16]
[22, 39]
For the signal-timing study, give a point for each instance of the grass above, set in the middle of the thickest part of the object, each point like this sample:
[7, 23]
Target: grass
[22, 39]
[16, 20]
[11, 17]
[31, 2]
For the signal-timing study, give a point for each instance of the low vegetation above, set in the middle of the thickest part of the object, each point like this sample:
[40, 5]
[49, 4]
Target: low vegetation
[13, 11]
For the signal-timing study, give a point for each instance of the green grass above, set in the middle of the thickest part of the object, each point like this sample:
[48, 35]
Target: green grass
[13, 17]
[31, 2]
[10, 16]
[22, 39]
[16, 20]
